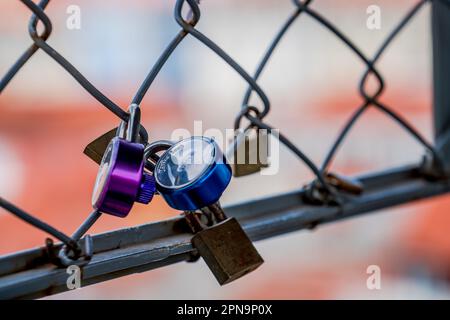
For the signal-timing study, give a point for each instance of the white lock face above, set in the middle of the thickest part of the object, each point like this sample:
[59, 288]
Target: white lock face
[185, 162]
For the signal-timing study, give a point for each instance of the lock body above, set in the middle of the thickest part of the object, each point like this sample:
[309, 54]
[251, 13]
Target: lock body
[192, 174]
[227, 250]
[251, 153]
[121, 180]
[207, 190]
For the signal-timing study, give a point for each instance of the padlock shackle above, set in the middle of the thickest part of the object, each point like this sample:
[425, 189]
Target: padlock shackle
[134, 123]
[121, 130]
[129, 130]
[216, 210]
[194, 221]
[151, 150]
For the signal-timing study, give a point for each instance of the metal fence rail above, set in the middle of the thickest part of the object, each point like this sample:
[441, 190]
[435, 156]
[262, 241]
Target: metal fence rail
[33, 273]
[29, 274]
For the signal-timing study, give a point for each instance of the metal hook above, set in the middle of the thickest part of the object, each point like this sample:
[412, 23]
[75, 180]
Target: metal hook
[66, 260]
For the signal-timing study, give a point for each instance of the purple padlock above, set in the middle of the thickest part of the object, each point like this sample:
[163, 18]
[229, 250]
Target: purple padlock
[121, 179]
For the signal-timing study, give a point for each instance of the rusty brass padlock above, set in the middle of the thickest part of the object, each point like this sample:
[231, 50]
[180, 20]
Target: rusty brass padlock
[251, 153]
[346, 184]
[225, 247]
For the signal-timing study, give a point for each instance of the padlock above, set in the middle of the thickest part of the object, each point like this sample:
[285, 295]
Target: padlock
[341, 189]
[121, 179]
[346, 184]
[192, 175]
[226, 248]
[251, 152]
[96, 149]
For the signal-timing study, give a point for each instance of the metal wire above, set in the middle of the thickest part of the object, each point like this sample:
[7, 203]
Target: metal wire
[369, 100]
[270, 50]
[372, 100]
[28, 53]
[251, 113]
[39, 224]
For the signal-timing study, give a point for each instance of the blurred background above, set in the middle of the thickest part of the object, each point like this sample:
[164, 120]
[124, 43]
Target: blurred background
[46, 120]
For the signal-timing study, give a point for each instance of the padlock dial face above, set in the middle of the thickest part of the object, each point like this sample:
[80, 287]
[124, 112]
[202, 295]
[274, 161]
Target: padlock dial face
[185, 162]
[103, 173]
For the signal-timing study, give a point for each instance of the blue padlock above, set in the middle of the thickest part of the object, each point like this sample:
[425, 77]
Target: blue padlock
[192, 174]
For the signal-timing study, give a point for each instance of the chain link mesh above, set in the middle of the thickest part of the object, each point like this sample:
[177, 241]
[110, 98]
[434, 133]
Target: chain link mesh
[72, 251]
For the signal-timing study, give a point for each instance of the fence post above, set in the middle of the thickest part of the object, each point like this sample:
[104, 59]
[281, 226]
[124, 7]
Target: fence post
[440, 19]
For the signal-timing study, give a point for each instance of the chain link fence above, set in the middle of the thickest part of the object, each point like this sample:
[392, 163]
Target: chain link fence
[324, 191]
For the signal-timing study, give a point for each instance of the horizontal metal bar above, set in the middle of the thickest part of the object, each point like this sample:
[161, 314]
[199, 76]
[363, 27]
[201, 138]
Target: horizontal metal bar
[28, 274]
